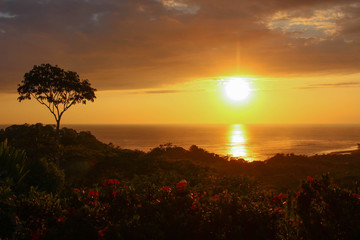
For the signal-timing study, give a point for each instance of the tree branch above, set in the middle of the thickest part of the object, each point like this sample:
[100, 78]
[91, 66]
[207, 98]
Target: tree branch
[47, 106]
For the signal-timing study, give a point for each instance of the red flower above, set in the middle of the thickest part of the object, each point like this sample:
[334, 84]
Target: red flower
[61, 219]
[195, 196]
[193, 207]
[310, 179]
[112, 182]
[279, 198]
[181, 186]
[355, 195]
[93, 193]
[279, 211]
[216, 198]
[92, 203]
[166, 189]
[102, 232]
[36, 234]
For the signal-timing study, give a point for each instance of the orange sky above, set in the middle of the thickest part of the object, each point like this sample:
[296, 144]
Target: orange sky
[162, 61]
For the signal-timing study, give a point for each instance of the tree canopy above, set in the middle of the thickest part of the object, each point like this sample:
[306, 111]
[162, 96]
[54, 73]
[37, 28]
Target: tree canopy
[55, 88]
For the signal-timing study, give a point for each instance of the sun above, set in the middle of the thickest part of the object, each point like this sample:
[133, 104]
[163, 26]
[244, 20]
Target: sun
[237, 89]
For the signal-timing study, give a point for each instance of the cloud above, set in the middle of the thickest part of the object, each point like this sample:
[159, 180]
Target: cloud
[166, 91]
[180, 6]
[333, 85]
[96, 16]
[6, 15]
[142, 44]
[321, 24]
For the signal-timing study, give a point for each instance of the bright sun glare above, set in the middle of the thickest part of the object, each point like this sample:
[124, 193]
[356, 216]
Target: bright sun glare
[237, 89]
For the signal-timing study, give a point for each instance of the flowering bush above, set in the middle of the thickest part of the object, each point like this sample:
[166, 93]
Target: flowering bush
[113, 182]
[118, 210]
[327, 211]
[181, 186]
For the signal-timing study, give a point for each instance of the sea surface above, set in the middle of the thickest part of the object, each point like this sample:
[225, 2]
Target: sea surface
[251, 142]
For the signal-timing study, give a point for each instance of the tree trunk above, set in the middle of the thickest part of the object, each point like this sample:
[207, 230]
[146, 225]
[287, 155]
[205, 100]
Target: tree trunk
[57, 138]
[58, 130]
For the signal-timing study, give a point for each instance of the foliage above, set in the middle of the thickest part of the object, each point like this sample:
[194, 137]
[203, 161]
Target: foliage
[8, 219]
[327, 211]
[37, 212]
[55, 88]
[86, 160]
[45, 176]
[38, 141]
[119, 210]
[13, 167]
[77, 152]
[174, 193]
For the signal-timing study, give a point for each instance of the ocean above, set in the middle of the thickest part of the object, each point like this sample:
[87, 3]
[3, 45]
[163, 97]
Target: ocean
[251, 142]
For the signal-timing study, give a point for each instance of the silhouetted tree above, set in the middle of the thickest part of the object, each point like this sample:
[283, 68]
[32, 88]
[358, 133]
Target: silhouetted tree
[56, 89]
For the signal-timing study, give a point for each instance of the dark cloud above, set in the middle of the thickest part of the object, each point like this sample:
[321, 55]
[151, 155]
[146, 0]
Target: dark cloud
[129, 44]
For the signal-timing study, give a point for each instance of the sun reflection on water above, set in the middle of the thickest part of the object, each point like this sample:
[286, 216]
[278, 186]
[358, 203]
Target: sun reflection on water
[238, 141]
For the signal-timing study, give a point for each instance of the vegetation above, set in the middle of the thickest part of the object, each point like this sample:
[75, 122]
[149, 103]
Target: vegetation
[56, 89]
[12, 165]
[105, 192]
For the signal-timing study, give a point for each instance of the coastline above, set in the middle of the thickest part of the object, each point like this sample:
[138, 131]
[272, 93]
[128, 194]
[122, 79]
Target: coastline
[251, 142]
[345, 151]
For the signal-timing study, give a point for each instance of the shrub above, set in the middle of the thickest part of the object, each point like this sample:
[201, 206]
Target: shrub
[45, 176]
[13, 166]
[327, 211]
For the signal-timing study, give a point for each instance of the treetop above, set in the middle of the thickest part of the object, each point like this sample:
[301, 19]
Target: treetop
[55, 85]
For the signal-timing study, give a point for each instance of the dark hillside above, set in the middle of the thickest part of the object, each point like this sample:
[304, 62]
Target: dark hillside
[105, 192]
